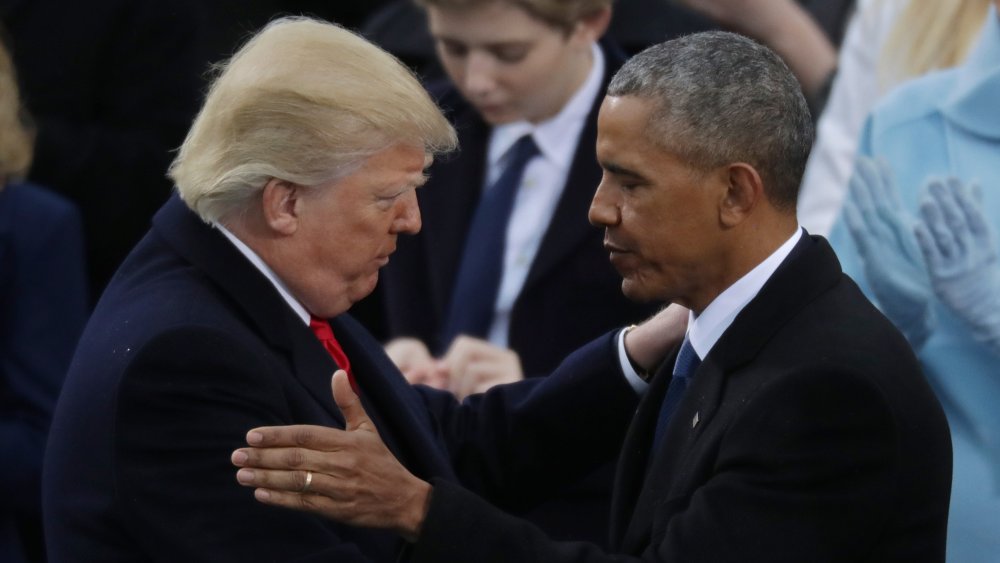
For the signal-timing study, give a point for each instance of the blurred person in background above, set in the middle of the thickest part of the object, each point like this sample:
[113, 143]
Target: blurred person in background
[887, 42]
[43, 304]
[112, 87]
[806, 45]
[918, 231]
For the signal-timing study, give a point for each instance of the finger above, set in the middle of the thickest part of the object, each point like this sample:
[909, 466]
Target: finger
[416, 375]
[463, 351]
[439, 377]
[856, 226]
[889, 192]
[288, 458]
[861, 186]
[875, 217]
[302, 435]
[314, 503]
[937, 228]
[355, 417]
[407, 353]
[971, 202]
[292, 481]
[927, 246]
[945, 193]
[468, 381]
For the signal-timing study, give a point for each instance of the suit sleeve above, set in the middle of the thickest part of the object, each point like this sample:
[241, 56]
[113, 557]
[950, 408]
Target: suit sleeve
[806, 473]
[515, 443]
[185, 403]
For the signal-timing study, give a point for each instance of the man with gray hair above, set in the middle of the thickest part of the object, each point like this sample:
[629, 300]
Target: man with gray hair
[792, 424]
[294, 182]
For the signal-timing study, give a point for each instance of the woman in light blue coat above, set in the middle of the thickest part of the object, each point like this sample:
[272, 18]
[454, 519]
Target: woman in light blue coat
[921, 242]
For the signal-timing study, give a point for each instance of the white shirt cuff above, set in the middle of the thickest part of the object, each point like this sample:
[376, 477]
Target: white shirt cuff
[631, 376]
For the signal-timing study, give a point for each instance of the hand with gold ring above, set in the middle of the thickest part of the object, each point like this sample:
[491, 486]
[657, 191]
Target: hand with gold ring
[367, 486]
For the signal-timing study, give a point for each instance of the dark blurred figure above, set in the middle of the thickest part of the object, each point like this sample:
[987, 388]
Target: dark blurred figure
[112, 86]
[400, 27]
[233, 21]
[42, 309]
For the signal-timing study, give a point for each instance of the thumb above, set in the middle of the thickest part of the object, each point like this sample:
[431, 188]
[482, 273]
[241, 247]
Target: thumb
[355, 417]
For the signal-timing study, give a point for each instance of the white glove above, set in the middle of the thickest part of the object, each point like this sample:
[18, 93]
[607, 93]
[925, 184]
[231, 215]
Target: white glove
[961, 253]
[883, 232]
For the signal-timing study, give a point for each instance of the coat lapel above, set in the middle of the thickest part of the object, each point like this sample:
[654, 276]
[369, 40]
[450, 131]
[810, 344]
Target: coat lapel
[634, 458]
[391, 402]
[208, 250]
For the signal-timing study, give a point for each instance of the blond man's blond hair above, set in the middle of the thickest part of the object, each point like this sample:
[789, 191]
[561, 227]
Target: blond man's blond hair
[304, 101]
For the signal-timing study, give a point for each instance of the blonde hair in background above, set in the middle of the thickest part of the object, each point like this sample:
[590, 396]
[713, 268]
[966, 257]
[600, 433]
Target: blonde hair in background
[930, 35]
[304, 101]
[16, 141]
[561, 14]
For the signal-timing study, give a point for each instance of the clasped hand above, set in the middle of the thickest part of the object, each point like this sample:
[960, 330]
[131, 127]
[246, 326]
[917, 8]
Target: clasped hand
[470, 365]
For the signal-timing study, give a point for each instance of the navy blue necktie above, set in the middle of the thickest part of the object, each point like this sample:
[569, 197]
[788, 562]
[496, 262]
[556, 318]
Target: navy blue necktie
[685, 366]
[481, 269]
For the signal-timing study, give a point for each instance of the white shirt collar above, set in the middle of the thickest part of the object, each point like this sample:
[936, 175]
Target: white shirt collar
[551, 135]
[706, 329]
[258, 263]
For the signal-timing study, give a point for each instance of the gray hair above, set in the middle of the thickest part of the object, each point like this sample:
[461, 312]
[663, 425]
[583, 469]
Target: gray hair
[721, 98]
[304, 101]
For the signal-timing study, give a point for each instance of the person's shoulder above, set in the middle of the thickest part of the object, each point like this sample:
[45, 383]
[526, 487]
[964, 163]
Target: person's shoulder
[913, 101]
[34, 200]
[35, 217]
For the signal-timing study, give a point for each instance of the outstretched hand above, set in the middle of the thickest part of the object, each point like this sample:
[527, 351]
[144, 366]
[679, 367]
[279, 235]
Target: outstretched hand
[346, 475]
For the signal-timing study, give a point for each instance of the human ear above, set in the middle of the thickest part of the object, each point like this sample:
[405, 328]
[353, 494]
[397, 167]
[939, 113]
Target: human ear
[743, 192]
[279, 201]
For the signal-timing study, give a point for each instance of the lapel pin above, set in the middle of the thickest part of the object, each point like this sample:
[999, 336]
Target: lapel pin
[694, 421]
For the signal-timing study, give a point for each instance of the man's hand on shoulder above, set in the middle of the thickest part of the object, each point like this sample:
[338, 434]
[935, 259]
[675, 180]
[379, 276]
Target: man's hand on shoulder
[346, 475]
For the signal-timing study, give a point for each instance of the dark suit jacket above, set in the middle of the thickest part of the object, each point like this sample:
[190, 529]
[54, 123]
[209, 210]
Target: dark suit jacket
[571, 294]
[43, 305]
[191, 346]
[808, 433]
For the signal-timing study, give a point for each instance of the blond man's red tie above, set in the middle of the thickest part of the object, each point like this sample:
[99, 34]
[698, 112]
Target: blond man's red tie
[321, 328]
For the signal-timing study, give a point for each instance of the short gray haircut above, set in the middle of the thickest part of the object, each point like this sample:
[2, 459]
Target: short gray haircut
[304, 101]
[722, 98]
